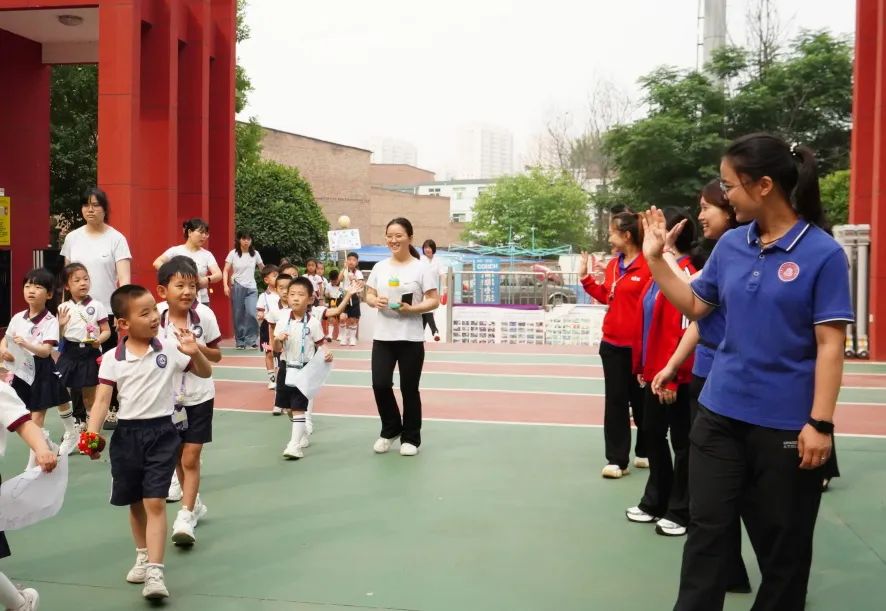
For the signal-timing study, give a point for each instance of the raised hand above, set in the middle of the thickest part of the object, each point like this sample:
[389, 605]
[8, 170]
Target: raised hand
[187, 343]
[673, 234]
[583, 264]
[654, 233]
[64, 316]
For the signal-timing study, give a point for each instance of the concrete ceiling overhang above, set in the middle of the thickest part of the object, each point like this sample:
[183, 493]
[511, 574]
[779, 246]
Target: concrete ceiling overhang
[61, 43]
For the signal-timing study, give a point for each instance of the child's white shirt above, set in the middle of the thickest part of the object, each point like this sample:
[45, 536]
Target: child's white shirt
[81, 316]
[191, 389]
[13, 414]
[304, 335]
[42, 329]
[268, 302]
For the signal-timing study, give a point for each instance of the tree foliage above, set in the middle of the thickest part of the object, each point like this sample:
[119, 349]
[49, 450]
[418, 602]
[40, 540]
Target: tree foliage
[803, 94]
[835, 196]
[550, 201]
[277, 206]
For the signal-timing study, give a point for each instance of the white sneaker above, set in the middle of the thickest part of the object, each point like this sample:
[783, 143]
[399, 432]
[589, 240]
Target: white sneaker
[183, 528]
[155, 586]
[614, 472]
[175, 490]
[137, 573]
[293, 451]
[343, 341]
[382, 445]
[635, 514]
[305, 442]
[667, 528]
[200, 511]
[408, 449]
[641, 463]
[277, 411]
[69, 443]
[272, 385]
[353, 341]
[32, 600]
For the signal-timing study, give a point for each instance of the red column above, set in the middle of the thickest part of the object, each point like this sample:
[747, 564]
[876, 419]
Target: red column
[877, 213]
[24, 152]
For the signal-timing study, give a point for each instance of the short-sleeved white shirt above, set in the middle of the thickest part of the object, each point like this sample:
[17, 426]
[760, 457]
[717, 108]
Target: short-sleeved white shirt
[438, 267]
[99, 254]
[85, 318]
[415, 278]
[243, 267]
[204, 325]
[268, 302]
[317, 281]
[305, 332]
[204, 260]
[13, 413]
[334, 293]
[350, 278]
[275, 316]
[146, 385]
[41, 329]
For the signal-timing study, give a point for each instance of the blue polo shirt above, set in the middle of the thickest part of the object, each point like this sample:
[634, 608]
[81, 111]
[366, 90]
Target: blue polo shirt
[711, 329]
[772, 298]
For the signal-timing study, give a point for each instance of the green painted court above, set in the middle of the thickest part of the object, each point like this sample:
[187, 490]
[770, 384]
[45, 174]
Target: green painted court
[492, 515]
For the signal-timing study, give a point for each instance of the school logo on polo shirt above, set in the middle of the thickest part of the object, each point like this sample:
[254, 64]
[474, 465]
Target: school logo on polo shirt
[162, 360]
[788, 272]
[198, 331]
[90, 310]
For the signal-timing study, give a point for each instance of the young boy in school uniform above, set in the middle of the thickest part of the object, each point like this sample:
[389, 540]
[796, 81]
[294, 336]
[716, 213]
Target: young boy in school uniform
[268, 302]
[271, 316]
[144, 448]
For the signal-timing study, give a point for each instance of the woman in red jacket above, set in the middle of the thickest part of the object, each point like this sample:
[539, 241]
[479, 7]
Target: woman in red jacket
[659, 328]
[624, 279]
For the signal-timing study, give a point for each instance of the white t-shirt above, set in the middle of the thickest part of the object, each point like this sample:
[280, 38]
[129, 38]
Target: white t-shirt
[303, 337]
[334, 293]
[268, 302]
[146, 385]
[437, 266]
[350, 278]
[243, 267]
[204, 325]
[99, 254]
[273, 316]
[317, 281]
[42, 329]
[13, 414]
[204, 259]
[415, 278]
[85, 318]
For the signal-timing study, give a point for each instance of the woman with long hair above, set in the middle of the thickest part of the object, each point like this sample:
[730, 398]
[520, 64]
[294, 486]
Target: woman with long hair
[765, 418]
[240, 287]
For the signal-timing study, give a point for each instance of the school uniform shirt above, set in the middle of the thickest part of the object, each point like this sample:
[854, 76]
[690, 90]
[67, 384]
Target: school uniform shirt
[415, 278]
[710, 330]
[317, 282]
[659, 333]
[243, 267]
[267, 303]
[203, 324]
[621, 289]
[350, 279]
[41, 329]
[99, 254]
[86, 314]
[13, 414]
[274, 316]
[773, 297]
[202, 258]
[304, 336]
[334, 295]
[146, 385]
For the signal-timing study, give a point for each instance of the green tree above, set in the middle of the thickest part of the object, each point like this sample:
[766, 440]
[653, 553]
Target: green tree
[550, 201]
[277, 206]
[835, 196]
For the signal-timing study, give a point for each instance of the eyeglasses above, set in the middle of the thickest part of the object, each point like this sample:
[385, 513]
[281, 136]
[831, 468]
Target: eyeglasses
[725, 188]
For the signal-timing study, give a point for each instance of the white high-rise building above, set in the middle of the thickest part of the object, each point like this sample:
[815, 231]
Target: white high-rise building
[389, 150]
[484, 151]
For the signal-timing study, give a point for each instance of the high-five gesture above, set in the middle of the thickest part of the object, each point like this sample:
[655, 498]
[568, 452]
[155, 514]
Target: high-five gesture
[655, 233]
[583, 264]
[187, 343]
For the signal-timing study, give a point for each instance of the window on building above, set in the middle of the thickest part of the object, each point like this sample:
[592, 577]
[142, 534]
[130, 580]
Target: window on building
[459, 217]
[458, 193]
[434, 191]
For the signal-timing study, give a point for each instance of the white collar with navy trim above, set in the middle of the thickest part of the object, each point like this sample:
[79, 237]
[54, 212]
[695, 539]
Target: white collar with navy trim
[791, 238]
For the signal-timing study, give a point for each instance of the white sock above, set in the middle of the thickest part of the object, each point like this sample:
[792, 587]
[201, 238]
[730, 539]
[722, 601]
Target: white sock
[270, 375]
[67, 415]
[10, 597]
[298, 428]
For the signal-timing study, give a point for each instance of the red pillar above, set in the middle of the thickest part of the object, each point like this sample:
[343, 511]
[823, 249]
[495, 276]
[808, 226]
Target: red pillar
[24, 152]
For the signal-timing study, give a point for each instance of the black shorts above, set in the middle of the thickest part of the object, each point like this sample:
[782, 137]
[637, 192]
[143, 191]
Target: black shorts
[78, 366]
[143, 457]
[199, 423]
[353, 308]
[46, 391]
[264, 338]
[288, 397]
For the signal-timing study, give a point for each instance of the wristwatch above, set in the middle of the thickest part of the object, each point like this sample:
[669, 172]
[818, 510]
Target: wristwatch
[822, 426]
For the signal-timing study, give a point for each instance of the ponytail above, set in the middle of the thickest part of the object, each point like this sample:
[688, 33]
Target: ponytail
[629, 222]
[414, 252]
[807, 195]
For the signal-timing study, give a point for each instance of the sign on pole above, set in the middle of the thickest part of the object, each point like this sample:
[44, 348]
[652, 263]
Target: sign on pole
[343, 239]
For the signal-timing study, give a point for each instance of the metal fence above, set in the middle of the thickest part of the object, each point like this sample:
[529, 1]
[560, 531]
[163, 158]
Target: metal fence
[514, 288]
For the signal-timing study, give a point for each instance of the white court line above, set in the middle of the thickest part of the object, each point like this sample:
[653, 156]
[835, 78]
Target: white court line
[507, 422]
[450, 373]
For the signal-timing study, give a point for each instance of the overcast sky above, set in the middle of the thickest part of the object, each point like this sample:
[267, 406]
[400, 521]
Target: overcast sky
[352, 71]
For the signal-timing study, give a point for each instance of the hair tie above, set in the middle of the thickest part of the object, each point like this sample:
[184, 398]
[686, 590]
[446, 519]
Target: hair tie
[794, 147]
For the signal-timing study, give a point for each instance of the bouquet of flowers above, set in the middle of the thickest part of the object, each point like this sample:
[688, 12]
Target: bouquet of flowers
[91, 444]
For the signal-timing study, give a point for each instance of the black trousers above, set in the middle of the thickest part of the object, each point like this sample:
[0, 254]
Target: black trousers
[428, 319]
[667, 488]
[410, 356]
[623, 395]
[740, 469]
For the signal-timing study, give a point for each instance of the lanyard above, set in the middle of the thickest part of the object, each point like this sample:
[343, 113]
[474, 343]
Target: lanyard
[180, 397]
[304, 336]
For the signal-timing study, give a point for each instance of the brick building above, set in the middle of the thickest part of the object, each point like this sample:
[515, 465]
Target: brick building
[346, 182]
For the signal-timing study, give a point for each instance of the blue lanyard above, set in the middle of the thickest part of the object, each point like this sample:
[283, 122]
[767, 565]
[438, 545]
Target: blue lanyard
[304, 337]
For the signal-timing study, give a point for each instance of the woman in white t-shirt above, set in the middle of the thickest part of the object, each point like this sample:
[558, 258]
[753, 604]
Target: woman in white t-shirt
[402, 288]
[429, 250]
[239, 282]
[196, 233]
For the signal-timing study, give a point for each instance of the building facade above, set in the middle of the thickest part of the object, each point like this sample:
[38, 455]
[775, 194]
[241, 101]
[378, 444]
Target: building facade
[484, 152]
[391, 151]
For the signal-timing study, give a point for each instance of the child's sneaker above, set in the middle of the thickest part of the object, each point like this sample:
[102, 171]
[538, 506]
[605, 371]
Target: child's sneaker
[137, 573]
[305, 442]
[277, 411]
[175, 490]
[353, 341]
[32, 600]
[69, 443]
[155, 585]
[183, 528]
[200, 511]
[272, 384]
[293, 451]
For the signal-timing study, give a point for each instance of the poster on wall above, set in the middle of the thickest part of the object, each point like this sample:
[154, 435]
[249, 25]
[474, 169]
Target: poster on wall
[5, 222]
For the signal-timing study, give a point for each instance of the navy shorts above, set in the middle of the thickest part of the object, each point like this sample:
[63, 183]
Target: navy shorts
[352, 310]
[143, 457]
[199, 423]
[288, 397]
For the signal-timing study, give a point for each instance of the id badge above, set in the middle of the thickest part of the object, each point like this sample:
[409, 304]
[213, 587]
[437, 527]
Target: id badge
[180, 418]
[291, 373]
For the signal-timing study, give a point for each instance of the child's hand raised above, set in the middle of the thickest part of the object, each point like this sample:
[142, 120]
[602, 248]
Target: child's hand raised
[64, 316]
[187, 343]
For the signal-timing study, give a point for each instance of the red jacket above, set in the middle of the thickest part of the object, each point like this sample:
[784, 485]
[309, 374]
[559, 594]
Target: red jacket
[624, 306]
[665, 333]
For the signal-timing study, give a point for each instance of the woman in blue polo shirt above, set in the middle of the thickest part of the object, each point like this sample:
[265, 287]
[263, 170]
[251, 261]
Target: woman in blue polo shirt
[765, 418]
